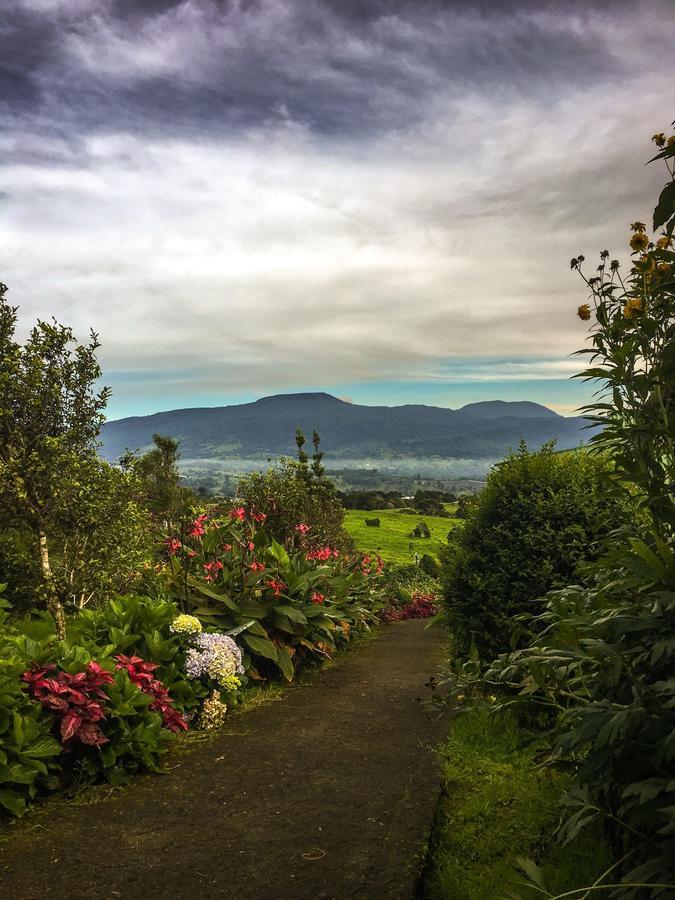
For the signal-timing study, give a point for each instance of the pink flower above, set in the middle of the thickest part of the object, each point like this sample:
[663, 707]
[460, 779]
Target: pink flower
[256, 566]
[302, 528]
[238, 513]
[259, 517]
[227, 547]
[172, 545]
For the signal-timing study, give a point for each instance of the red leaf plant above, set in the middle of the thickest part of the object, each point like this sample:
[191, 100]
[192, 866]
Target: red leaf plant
[141, 673]
[74, 700]
[421, 606]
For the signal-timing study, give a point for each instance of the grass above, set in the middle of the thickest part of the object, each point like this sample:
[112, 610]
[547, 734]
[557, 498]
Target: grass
[497, 806]
[392, 539]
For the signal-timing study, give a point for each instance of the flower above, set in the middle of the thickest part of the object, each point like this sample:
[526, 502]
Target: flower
[633, 305]
[671, 141]
[238, 513]
[256, 566]
[277, 586]
[216, 656]
[637, 226]
[259, 517]
[317, 597]
[172, 545]
[227, 548]
[184, 624]
[664, 242]
[197, 528]
[213, 713]
[302, 528]
[659, 139]
[639, 241]
[212, 568]
[584, 312]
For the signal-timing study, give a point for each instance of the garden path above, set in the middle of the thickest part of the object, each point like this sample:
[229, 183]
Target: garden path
[327, 794]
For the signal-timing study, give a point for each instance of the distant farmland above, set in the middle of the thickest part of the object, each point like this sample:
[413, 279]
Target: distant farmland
[392, 539]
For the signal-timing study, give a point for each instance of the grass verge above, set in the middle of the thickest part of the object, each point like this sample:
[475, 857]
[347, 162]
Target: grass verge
[495, 807]
[392, 538]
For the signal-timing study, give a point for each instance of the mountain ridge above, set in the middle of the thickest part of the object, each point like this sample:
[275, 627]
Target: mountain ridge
[266, 427]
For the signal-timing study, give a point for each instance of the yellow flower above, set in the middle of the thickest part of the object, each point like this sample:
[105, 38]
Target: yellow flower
[633, 305]
[492, 698]
[637, 226]
[671, 141]
[659, 139]
[639, 241]
[584, 312]
[185, 625]
[664, 242]
[662, 268]
[460, 697]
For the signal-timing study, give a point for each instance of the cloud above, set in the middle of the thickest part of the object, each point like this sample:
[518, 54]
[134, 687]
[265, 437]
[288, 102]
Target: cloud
[245, 196]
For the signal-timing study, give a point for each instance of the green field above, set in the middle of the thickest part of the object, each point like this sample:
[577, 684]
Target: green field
[392, 539]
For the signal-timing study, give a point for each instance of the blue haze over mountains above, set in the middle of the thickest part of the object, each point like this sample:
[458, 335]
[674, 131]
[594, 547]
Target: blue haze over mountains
[266, 428]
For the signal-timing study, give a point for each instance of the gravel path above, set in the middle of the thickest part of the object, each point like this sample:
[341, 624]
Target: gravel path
[326, 794]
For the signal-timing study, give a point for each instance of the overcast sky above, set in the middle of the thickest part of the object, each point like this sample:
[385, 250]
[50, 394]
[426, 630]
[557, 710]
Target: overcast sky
[378, 198]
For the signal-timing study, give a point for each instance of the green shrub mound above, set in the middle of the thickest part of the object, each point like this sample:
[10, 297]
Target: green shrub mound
[540, 515]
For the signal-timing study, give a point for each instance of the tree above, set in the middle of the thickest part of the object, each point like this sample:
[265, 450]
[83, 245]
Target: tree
[50, 416]
[163, 494]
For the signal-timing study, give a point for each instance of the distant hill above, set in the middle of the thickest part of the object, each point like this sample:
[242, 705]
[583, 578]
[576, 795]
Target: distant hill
[267, 428]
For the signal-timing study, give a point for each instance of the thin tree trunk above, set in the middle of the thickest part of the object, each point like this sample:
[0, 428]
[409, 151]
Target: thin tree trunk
[53, 603]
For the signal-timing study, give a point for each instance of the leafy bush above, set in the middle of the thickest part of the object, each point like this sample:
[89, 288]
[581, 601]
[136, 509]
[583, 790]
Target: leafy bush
[430, 566]
[421, 530]
[373, 523]
[28, 751]
[292, 492]
[402, 582]
[287, 604]
[539, 516]
[603, 663]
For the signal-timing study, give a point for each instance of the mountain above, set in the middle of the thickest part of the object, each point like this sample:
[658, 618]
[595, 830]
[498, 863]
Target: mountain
[267, 428]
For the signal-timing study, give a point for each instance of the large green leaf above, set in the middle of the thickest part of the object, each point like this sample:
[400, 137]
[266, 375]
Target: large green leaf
[42, 747]
[12, 802]
[261, 646]
[276, 551]
[213, 595]
[292, 613]
[285, 663]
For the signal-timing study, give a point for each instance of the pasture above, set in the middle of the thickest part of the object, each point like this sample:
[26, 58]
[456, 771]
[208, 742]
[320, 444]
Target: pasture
[392, 539]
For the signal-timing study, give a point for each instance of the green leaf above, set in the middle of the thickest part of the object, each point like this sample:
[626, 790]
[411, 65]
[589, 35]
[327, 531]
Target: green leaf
[276, 551]
[213, 595]
[42, 747]
[285, 663]
[665, 208]
[12, 802]
[261, 646]
[291, 613]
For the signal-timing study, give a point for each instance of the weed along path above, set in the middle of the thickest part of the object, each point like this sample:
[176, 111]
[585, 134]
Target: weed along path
[326, 794]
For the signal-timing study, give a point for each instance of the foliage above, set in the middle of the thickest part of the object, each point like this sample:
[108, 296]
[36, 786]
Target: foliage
[402, 582]
[71, 528]
[296, 491]
[603, 665]
[157, 471]
[287, 604]
[540, 515]
[421, 531]
[372, 523]
[420, 606]
[28, 752]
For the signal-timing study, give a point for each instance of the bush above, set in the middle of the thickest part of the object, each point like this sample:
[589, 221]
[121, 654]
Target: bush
[430, 566]
[373, 523]
[421, 531]
[603, 663]
[540, 515]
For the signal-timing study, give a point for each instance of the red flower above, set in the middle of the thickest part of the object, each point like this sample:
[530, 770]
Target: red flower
[256, 566]
[198, 529]
[172, 545]
[227, 547]
[277, 586]
[259, 517]
[302, 528]
[238, 513]
[317, 597]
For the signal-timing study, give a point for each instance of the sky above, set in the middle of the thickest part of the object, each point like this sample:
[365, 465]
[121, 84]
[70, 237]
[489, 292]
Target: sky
[378, 199]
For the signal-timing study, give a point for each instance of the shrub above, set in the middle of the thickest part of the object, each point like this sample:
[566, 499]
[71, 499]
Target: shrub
[421, 530]
[373, 523]
[539, 516]
[430, 566]
[604, 661]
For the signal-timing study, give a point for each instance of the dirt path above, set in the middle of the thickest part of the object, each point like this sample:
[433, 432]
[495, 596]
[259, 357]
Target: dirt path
[326, 794]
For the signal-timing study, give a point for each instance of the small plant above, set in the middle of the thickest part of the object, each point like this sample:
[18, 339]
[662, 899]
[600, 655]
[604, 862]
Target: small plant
[372, 523]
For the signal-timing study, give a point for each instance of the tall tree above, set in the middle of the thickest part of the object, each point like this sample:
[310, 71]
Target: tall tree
[50, 416]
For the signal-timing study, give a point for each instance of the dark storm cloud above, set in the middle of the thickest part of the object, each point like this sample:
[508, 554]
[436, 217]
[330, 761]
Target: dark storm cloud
[341, 68]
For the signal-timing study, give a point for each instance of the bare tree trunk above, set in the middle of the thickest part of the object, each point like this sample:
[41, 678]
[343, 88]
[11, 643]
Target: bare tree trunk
[53, 603]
